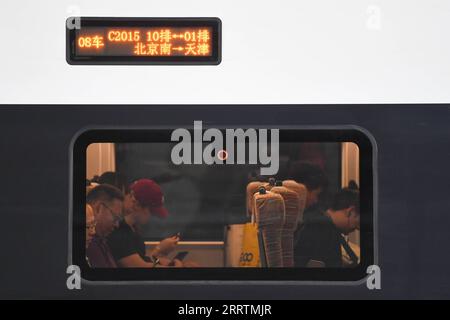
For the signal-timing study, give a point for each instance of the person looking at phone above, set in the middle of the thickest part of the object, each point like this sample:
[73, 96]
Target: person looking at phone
[321, 237]
[144, 199]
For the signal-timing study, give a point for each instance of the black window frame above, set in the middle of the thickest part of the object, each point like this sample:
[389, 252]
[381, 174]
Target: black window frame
[367, 192]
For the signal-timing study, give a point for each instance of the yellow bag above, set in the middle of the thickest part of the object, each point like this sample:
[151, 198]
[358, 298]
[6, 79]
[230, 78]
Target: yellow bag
[250, 247]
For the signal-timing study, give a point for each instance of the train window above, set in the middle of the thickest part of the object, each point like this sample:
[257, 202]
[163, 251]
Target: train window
[240, 201]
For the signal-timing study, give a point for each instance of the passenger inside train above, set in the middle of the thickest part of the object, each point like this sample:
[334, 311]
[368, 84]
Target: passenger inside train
[143, 211]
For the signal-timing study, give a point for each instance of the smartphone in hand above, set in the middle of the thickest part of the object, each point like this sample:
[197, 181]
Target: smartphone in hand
[178, 235]
[180, 256]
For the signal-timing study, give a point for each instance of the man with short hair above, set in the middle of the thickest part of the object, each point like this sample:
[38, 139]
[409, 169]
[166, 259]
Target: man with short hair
[314, 179]
[144, 199]
[321, 237]
[107, 203]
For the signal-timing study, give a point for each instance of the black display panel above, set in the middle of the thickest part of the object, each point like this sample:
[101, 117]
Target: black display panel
[142, 41]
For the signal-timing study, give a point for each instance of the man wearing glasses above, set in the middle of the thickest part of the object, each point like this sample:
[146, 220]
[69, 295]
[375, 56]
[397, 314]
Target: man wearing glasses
[107, 204]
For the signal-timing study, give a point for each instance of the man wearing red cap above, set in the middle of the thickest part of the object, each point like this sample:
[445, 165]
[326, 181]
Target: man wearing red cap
[144, 199]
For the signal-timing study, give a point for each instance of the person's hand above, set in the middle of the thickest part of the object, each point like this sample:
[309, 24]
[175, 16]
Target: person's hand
[166, 246]
[164, 261]
[177, 263]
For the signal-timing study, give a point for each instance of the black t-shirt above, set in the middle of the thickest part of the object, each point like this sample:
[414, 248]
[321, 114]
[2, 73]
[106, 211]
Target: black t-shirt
[320, 240]
[124, 242]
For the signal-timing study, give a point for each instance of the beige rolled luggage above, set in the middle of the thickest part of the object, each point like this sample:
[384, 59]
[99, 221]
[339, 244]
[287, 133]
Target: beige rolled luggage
[300, 189]
[270, 216]
[291, 205]
[252, 188]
